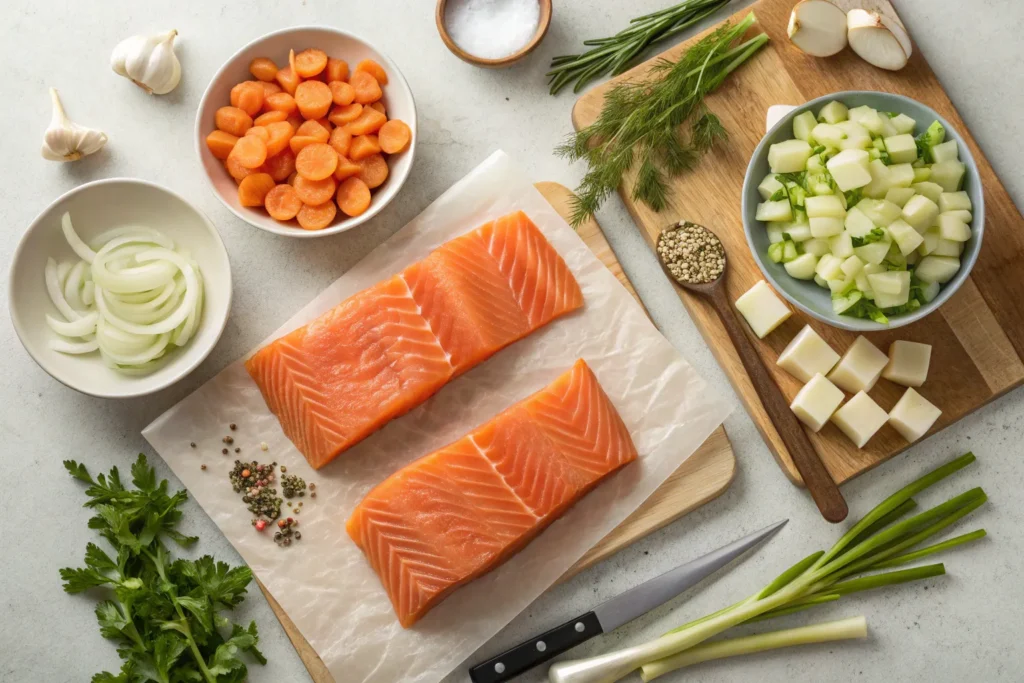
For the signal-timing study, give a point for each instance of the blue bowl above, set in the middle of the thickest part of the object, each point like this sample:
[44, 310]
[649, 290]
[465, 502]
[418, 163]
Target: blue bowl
[805, 294]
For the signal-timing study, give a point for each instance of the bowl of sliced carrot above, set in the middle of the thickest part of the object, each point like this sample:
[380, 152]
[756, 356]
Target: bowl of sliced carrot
[307, 131]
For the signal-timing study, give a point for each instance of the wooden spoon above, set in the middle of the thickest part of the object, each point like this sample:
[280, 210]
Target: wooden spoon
[816, 478]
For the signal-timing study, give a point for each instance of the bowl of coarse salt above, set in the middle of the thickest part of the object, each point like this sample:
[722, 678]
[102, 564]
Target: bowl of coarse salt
[492, 33]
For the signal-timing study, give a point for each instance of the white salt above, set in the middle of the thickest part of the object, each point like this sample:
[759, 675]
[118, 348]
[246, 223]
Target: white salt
[492, 29]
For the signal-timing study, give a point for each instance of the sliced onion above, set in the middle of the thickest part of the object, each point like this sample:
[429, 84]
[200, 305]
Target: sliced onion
[88, 293]
[80, 247]
[136, 233]
[119, 341]
[77, 328]
[155, 350]
[121, 305]
[138, 314]
[74, 282]
[56, 295]
[63, 268]
[74, 348]
[149, 276]
[188, 328]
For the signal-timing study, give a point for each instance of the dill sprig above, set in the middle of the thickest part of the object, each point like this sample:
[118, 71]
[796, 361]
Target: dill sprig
[660, 124]
[615, 54]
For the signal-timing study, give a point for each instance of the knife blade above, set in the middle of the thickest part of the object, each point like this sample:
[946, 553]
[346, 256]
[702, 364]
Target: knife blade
[615, 612]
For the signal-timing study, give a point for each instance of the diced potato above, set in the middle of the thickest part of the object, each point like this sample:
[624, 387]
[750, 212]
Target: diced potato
[929, 189]
[849, 168]
[836, 286]
[872, 268]
[954, 201]
[857, 136]
[920, 212]
[774, 211]
[826, 226]
[803, 124]
[857, 223]
[829, 267]
[833, 112]
[890, 282]
[940, 269]
[921, 174]
[952, 228]
[880, 211]
[860, 367]
[901, 148]
[913, 257]
[888, 130]
[802, 267]
[825, 206]
[815, 403]
[875, 252]
[901, 175]
[789, 156]
[828, 135]
[881, 180]
[762, 309]
[931, 241]
[899, 195]
[913, 415]
[946, 247]
[775, 232]
[948, 174]
[860, 418]
[841, 245]
[908, 363]
[816, 246]
[798, 232]
[769, 186]
[861, 280]
[820, 281]
[906, 237]
[867, 117]
[930, 290]
[903, 123]
[947, 151]
[962, 214]
[851, 266]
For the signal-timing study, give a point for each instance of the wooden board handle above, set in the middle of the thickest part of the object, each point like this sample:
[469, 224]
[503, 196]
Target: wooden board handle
[819, 482]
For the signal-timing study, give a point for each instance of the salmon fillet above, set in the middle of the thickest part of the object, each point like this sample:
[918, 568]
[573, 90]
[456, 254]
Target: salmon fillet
[385, 350]
[455, 514]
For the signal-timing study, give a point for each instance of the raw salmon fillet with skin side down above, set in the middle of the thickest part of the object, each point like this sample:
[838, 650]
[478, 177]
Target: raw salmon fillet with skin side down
[387, 349]
[461, 511]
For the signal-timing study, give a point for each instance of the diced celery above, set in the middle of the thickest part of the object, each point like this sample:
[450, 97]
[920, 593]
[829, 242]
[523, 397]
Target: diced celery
[803, 123]
[775, 232]
[774, 211]
[857, 223]
[802, 267]
[940, 269]
[903, 123]
[872, 268]
[816, 246]
[841, 245]
[949, 174]
[947, 151]
[789, 251]
[952, 201]
[852, 266]
[920, 212]
[879, 144]
[874, 252]
[833, 112]
[901, 175]
[894, 259]
[775, 252]
[899, 195]
[881, 180]
[929, 189]
[902, 148]
[906, 237]
[769, 186]
[825, 226]
[849, 169]
[952, 228]
[922, 174]
[822, 187]
[880, 211]
[789, 156]
[815, 164]
[875, 154]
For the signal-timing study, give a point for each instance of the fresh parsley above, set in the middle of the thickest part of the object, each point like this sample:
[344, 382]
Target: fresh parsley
[165, 615]
[778, 195]
[875, 235]
[853, 196]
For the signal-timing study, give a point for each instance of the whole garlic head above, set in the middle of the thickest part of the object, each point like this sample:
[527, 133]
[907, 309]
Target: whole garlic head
[148, 61]
[65, 140]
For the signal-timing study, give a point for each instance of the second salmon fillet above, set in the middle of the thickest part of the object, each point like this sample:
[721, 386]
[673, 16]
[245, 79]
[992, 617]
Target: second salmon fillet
[385, 350]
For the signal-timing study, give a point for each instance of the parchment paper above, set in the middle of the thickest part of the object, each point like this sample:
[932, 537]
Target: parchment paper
[323, 582]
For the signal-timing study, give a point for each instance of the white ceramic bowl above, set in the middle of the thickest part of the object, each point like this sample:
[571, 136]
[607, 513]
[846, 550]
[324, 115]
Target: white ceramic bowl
[337, 44]
[96, 207]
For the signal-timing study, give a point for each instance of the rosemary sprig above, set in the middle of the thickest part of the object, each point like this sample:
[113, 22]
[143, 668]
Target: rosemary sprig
[615, 54]
[659, 124]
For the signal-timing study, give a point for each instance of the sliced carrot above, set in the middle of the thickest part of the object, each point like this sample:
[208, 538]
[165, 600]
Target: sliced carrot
[267, 118]
[368, 121]
[374, 170]
[250, 151]
[342, 92]
[237, 171]
[281, 165]
[316, 217]
[248, 96]
[233, 120]
[340, 115]
[394, 136]
[300, 142]
[291, 62]
[263, 69]
[346, 168]
[279, 134]
[340, 140]
[291, 178]
[363, 146]
[282, 102]
[221, 143]
[316, 162]
[314, 99]
[314, 129]
[337, 70]
[366, 86]
[326, 124]
[288, 79]
[379, 106]
[269, 88]
[315, 192]
[311, 62]
[259, 132]
[254, 188]
[282, 203]
[353, 197]
[374, 69]
[295, 120]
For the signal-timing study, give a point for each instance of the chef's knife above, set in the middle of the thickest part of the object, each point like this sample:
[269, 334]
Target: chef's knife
[610, 615]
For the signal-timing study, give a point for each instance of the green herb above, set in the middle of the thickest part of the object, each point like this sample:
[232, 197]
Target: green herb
[165, 614]
[933, 135]
[876, 235]
[853, 196]
[615, 54]
[778, 195]
[866, 309]
[659, 125]
[818, 150]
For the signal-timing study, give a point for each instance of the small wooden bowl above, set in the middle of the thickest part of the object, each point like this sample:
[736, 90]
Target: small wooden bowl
[542, 29]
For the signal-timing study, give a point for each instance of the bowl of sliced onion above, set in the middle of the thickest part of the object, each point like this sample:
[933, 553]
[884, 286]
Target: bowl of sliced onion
[120, 288]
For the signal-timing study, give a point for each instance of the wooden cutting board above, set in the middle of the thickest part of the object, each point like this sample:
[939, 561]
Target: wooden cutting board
[702, 478]
[977, 337]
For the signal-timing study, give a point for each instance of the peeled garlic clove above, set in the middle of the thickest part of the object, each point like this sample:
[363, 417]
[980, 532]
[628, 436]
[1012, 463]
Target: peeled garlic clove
[148, 61]
[65, 140]
[818, 27]
[878, 40]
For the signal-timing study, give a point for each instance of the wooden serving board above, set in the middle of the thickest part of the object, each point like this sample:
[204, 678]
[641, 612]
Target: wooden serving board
[977, 337]
[703, 477]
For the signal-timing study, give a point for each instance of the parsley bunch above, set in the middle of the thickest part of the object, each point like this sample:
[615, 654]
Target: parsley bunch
[164, 614]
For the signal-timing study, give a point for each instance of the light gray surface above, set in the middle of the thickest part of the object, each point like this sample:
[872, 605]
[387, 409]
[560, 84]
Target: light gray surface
[964, 626]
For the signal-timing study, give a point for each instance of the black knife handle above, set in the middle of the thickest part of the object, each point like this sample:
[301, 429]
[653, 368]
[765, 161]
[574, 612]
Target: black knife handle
[536, 651]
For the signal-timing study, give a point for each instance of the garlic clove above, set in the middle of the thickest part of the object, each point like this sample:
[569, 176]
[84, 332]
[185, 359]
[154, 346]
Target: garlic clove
[148, 61]
[818, 27]
[65, 140]
[878, 40]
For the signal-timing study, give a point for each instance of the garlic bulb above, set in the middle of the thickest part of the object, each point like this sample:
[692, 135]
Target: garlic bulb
[149, 62]
[65, 140]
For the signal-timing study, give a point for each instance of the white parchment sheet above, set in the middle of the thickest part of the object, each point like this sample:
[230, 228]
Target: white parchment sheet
[323, 581]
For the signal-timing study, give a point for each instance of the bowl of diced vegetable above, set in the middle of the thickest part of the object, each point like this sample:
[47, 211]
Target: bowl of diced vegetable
[864, 209]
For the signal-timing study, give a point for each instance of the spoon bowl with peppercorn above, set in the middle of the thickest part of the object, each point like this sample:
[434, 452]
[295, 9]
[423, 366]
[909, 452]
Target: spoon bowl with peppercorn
[695, 258]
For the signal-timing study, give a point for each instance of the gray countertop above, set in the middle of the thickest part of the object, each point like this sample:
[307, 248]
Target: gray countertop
[961, 626]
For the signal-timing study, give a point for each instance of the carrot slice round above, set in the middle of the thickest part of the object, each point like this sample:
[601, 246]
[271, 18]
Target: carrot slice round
[254, 188]
[346, 168]
[248, 96]
[379, 106]
[269, 88]
[342, 92]
[316, 161]
[366, 86]
[340, 115]
[263, 69]
[369, 121]
[374, 69]
[221, 143]
[250, 151]
[279, 134]
[373, 170]
[269, 117]
[236, 170]
[337, 70]
[259, 132]
[282, 102]
[288, 79]
[314, 99]
[281, 165]
[282, 202]
[363, 146]
[295, 120]
[315, 192]
[394, 136]
[233, 120]
[314, 129]
[353, 197]
[316, 217]
[311, 62]
[340, 140]
[300, 142]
